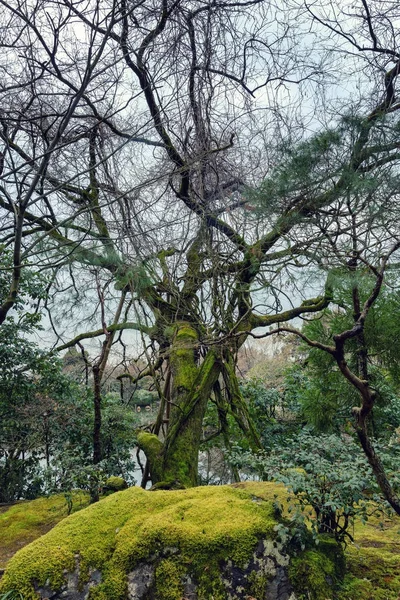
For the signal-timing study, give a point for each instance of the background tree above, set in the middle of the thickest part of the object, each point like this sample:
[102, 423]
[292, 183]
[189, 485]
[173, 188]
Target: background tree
[358, 243]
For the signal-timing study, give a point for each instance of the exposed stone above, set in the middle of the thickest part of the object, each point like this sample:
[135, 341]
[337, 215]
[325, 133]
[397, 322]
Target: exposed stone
[265, 564]
[73, 588]
[140, 581]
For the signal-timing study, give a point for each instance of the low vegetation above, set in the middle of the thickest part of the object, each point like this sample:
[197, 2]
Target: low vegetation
[26, 521]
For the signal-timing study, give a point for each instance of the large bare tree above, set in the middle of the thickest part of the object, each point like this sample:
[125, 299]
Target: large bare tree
[130, 143]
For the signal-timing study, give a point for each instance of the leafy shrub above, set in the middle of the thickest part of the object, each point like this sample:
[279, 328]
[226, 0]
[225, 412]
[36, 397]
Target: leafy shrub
[328, 478]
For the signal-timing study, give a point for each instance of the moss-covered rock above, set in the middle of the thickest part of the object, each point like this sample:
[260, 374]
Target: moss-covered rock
[317, 574]
[372, 563]
[164, 545]
[208, 543]
[115, 484]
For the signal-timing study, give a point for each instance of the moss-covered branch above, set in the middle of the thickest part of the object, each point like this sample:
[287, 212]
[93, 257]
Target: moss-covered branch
[146, 373]
[152, 447]
[99, 332]
[308, 306]
[237, 405]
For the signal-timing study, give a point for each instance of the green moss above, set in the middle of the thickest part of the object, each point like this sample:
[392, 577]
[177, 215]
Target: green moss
[372, 563]
[206, 525]
[334, 552]
[373, 573]
[258, 585]
[116, 484]
[365, 589]
[315, 573]
[26, 521]
[184, 367]
[168, 580]
[180, 468]
[152, 447]
[149, 442]
[186, 372]
[190, 393]
[209, 581]
[185, 333]
[182, 356]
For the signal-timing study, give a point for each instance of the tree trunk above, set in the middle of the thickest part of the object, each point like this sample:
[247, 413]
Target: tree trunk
[97, 453]
[174, 463]
[378, 468]
[97, 417]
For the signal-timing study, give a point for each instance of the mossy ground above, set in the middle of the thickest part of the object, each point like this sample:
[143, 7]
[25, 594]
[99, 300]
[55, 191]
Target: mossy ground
[373, 563]
[22, 523]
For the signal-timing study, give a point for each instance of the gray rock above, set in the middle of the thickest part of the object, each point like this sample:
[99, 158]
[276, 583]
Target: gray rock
[268, 564]
[140, 580]
[73, 589]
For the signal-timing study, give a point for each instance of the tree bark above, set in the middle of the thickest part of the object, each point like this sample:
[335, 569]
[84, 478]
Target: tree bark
[174, 462]
[97, 451]
[97, 454]
[376, 465]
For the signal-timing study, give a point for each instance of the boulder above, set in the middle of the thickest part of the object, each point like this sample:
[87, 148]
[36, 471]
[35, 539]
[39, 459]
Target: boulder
[115, 484]
[207, 543]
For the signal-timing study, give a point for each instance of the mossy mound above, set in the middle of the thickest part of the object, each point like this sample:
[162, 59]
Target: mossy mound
[26, 521]
[163, 544]
[136, 537]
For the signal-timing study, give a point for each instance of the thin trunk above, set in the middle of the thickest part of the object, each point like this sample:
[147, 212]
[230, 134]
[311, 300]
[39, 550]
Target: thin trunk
[17, 268]
[362, 352]
[239, 409]
[47, 449]
[97, 454]
[97, 450]
[376, 463]
[362, 415]
[98, 372]
[222, 409]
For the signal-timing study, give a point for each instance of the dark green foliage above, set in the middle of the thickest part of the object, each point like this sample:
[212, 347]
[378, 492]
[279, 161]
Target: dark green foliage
[46, 422]
[272, 410]
[301, 166]
[325, 396]
[71, 462]
[326, 472]
[31, 387]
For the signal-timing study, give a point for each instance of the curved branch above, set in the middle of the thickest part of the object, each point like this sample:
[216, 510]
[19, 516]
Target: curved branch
[308, 306]
[99, 332]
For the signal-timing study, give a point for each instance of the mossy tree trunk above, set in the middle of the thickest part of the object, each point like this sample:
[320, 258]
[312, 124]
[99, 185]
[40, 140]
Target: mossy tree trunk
[174, 463]
[199, 360]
